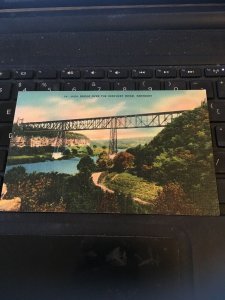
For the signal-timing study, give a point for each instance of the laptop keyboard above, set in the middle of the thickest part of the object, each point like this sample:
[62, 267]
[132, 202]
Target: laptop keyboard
[211, 78]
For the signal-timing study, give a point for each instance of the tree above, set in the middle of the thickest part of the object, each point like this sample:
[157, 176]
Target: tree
[74, 152]
[104, 162]
[173, 200]
[86, 164]
[16, 173]
[89, 151]
[123, 161]
[66, 152]
[94, 146]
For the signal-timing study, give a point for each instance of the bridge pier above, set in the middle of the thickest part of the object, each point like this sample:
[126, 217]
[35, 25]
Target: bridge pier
[113, 141]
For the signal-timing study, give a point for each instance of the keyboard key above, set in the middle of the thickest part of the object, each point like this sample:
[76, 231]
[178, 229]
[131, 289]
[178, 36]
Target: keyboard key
[221, 89]
[219, 158]
[48, 86]
[7, 110]
[203, 85]
[175, 85]
[221, 189]
[124, 85]
[70, 74]
[94, 73]
[5, 134]
[217, 111]
[73, 86]
[142, 73]
[220, 135]
[23, 74]
[118, 73]
[24, 86]
[215, 72]
[99, 86]
[46, 74]
[5, 90]
[190, 72]
[166, 73]
[150, 85]
[5, 74]
[3, 155]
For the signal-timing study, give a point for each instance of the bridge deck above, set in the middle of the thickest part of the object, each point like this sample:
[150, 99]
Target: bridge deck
[147, 120]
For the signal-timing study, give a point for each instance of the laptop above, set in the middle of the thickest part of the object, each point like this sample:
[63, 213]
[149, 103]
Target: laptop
[99, 46]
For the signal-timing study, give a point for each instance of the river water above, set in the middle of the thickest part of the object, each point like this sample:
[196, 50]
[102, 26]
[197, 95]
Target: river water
[67, 166]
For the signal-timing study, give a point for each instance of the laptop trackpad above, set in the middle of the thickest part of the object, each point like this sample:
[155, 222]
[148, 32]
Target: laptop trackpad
[131, 267]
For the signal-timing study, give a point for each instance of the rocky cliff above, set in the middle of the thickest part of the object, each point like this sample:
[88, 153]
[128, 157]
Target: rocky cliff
[41, 141]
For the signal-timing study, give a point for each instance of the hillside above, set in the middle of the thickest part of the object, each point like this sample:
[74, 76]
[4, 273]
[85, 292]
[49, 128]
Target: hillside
[123, 143]
[182, 153]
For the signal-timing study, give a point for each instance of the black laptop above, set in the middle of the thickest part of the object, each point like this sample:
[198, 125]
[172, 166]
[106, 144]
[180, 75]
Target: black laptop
[113, 46]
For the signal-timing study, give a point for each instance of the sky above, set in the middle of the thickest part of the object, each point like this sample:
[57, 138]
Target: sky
[47, 106]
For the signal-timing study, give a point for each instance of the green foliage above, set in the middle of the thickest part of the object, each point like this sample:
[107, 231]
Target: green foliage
[104, 162]
[89, 151]
[67, 152]
[133, 186]
[173, 200]
[86, 164]
[74, 151]
[27, 150]
[182, 153]
[81, 194]
[17, 172]
[123, 161]
[23, 159]
[38, 191]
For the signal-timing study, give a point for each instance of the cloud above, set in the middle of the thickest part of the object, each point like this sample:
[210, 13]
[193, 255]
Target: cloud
[187, 100]
[56, 108]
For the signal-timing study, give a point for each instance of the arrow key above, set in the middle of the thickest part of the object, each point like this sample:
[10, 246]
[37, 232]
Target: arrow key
[221, 88]
[219, 158]
[220, 135]
[175, 85]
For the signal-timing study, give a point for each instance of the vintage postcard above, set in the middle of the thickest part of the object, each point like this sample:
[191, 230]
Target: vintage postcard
[133, 152]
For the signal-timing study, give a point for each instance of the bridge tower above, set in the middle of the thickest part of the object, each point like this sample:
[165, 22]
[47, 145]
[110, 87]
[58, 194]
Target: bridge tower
[113, 137]
[60, 142]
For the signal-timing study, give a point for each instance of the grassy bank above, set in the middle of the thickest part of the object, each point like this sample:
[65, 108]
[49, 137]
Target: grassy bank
[132, 185]
[26, 159]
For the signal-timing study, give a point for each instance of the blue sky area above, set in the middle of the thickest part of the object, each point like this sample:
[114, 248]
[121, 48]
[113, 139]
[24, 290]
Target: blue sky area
[45, 106]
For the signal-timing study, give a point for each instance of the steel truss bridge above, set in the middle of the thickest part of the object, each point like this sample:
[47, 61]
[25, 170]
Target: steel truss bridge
[113, 123]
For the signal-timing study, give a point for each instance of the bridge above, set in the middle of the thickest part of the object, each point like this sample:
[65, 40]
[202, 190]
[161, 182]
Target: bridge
[113, 123]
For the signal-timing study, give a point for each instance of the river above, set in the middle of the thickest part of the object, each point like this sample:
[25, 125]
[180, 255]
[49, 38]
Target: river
[67, 166]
